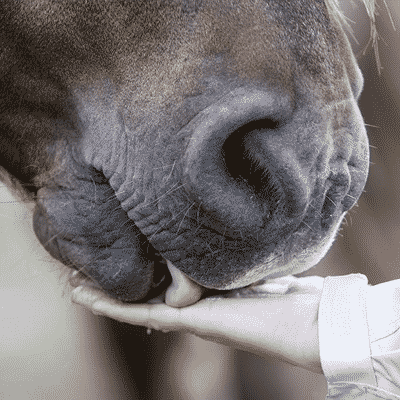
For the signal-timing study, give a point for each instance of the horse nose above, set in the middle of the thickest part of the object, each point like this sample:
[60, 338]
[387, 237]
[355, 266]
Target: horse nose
[236, 165]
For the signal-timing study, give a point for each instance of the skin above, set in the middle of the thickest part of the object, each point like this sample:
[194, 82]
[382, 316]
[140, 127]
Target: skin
[271, 315]
[130, 121]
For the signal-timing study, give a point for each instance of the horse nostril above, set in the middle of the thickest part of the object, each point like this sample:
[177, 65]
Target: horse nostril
[222, 167]
[245, 161]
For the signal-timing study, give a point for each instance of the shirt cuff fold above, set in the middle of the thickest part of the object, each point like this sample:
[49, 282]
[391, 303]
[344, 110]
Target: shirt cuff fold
[343, 330]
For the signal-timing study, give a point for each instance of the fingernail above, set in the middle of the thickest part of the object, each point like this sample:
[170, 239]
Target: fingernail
[76, 279]
[77, 295]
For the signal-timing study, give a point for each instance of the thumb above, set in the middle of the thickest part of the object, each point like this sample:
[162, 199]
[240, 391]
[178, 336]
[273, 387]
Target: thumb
[183, 291]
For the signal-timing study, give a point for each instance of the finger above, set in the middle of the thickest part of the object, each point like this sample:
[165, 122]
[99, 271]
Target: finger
[79, 279]
[86, 296]
[76, 279]
[155, 316]
[183, 291]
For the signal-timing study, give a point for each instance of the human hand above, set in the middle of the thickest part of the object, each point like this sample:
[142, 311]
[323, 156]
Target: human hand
[277, 319]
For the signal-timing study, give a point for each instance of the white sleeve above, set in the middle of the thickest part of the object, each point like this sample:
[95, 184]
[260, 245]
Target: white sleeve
[359, 338]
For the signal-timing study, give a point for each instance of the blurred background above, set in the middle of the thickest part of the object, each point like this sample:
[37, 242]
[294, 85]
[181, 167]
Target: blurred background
[51, 349]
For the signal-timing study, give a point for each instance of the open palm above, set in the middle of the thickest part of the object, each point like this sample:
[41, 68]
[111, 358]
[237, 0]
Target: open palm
[276, 318]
